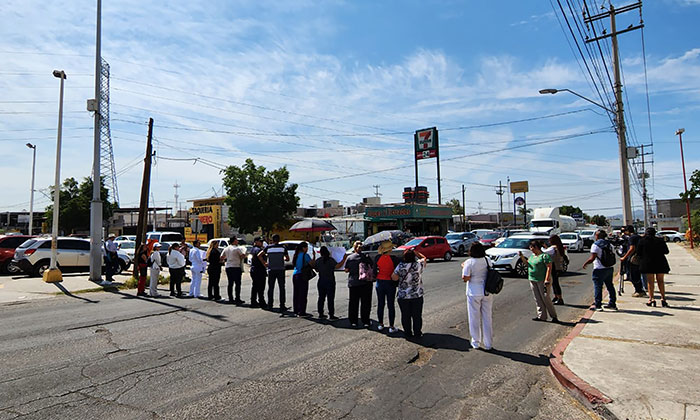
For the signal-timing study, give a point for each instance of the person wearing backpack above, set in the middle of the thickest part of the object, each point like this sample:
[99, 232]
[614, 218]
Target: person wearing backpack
[603, 260]
[479, 304]
[384, 264]
[359, 286]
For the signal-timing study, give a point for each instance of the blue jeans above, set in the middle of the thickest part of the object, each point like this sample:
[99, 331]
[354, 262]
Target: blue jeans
[386, 294]
[603, 276]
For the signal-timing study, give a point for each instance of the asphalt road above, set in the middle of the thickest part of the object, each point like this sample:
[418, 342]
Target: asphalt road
[112, 355]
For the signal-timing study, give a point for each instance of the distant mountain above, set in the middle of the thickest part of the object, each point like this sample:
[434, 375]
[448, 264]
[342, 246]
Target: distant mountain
[637, 215]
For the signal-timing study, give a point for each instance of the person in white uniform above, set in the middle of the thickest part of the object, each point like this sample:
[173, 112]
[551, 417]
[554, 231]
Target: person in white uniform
[156, 266]
[479, 305]
[196, 269]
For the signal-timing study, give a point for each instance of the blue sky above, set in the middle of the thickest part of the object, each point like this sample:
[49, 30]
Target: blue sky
[333, 89]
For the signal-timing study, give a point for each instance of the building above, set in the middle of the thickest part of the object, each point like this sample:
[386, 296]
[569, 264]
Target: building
[416, 218]
[18, 221]
[671, 214]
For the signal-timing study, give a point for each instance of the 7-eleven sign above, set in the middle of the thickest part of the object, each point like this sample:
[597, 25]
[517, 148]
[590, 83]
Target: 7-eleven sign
[426, 143]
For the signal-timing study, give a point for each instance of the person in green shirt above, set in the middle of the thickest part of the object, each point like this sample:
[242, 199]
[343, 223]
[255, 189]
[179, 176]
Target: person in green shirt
[539, 273]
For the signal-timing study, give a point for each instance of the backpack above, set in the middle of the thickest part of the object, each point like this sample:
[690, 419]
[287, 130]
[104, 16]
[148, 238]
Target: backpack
[367, 269]
[494, 282]
[608, 255]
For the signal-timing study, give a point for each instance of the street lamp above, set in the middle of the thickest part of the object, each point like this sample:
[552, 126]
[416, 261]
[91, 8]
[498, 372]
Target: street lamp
[627, 215]
[31, 194]
[685, 184]
[53, 274]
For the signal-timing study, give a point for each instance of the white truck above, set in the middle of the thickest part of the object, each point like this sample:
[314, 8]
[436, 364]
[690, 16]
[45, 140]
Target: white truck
[548, 220]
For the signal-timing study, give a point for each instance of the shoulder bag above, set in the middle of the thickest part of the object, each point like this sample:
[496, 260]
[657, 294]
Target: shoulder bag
[494, 282]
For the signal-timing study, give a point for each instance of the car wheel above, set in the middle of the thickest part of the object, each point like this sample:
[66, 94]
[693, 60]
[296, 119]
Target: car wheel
[40, 267]
[12, 268]
[520, 269]
[448, 256]
[676, 239]
[461, 250]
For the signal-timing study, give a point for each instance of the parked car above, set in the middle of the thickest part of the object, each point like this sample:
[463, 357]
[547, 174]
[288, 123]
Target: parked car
[488, 239]
[290, 246]
[73, 255]
[671, 235]
[125, 238]
[461, 241]
[481, 232]
[572, 241]
[431, 246]
[164, 236]
[588, 237]
[504, 256]
[8, 244]
[129, 247]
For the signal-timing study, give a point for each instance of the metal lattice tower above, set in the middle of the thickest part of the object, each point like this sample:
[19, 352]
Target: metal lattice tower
[106, 152]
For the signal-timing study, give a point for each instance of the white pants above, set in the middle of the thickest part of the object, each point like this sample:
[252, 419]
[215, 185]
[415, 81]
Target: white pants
[480, 327]
[196, 281]
[153, 285]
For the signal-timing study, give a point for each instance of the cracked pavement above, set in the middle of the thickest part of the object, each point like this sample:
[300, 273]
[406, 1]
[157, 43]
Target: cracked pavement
[128, 357]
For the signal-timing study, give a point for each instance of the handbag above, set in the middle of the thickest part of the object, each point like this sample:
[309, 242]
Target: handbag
[494, 282]
[307, 272]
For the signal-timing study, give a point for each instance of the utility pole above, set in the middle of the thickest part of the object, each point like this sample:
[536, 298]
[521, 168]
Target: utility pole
[376, 190]
[685, 185]
[645, 197]
[177, 197]
[96, 203]
[31, 193]
[627, 215]
[145, 186]
[500, 193]
[464, 209]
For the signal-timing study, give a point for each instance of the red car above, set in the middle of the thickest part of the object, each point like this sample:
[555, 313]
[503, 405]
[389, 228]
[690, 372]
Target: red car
[489, 238]
[8, 243]
[431, 246]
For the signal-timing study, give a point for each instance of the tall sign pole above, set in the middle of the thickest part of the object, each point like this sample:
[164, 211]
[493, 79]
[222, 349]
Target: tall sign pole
[685, 184]
[142, 225]
[426, 147]
[96, 203]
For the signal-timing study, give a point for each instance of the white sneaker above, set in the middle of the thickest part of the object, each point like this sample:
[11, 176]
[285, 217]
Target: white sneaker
[380, 327]
[105, 283]
[393, 330]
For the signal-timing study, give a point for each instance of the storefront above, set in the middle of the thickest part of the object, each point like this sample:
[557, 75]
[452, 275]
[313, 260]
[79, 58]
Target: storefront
[207, 219]
[418, 219]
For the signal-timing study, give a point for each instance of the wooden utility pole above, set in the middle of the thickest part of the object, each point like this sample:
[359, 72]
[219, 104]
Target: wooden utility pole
[627, 215]
[145, 187]
[464, 210]
[500, 193]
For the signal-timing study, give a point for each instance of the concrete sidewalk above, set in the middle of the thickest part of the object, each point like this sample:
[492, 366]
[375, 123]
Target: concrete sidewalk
[641, 362]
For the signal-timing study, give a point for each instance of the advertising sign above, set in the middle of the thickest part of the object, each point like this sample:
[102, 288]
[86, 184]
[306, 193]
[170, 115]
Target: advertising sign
[519, 187]
[519, 201]
[426, 143]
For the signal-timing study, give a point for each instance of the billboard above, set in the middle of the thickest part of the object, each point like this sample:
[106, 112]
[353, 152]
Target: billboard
[426, 143]
[519, 187]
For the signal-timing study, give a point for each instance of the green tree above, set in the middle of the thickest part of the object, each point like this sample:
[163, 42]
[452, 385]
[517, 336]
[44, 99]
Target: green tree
[74, 205]
[694, 190]
[599, 220]
[455, 205]
[569, 210]
[258, 198]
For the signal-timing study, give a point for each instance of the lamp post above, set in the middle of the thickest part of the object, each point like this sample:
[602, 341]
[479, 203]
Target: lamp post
[685, 185]
[31, 194]
[53, 274]
[618, 114]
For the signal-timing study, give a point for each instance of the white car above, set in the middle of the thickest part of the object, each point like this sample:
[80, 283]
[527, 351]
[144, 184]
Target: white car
[73, 255]
[504, 256]
[125, 238]
[572, 241]
[481, 232]
[671, 235]
[290, 246]
[129, 247]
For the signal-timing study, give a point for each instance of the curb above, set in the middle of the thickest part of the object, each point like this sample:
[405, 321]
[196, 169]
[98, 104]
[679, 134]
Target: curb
[580, 389]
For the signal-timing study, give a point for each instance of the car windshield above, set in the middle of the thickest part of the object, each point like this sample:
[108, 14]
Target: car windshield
[28, 243]
[567, 236]
[542, 223]
[587, 232]
[127, 245]
[518, 243]
[491, 236]
[414, 242]
[454, 237]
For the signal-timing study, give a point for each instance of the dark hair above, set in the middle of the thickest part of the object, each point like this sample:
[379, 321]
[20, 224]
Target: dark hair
[477, 250]
[275, 238]
[409, 256]
[536, 243]
[651, 232]
[196, 242]
[299, 250]
[325, 253]
[556, 241]
[601, 234]
[232, 239]
[630, 229]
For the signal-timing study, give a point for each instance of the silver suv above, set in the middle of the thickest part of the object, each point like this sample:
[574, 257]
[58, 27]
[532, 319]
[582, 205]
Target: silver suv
[460, 242]
[33, 257]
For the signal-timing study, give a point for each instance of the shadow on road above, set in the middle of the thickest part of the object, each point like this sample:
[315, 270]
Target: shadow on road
[160, 301]
[652, 313]
[443, 341]
[539, 360]
[69, 294]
